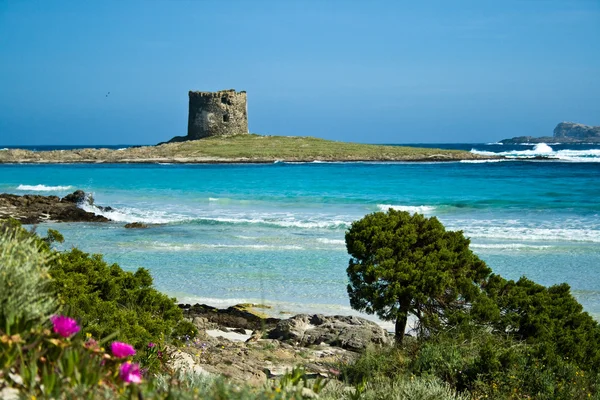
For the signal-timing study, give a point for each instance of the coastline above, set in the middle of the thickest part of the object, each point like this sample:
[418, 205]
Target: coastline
[240, 149]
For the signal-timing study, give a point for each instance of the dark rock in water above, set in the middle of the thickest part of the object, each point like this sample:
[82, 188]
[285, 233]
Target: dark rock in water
[134, 225]
[77, 197]
[348, 332]
[33, 209]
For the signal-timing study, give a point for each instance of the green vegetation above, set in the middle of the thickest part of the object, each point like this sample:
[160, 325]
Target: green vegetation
[407, 264]
[244, 148]
[106, 299]
[481, 336]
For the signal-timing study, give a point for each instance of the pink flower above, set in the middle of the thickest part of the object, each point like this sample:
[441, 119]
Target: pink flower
[151, 345]
[130, 372]
[64, 326]
[122, 350]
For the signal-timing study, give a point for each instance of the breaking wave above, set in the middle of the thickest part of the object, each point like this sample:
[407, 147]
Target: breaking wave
[533, 234]
[542, 150]
[43, 188]
[129, 214]
[509, 246]
[197, 246]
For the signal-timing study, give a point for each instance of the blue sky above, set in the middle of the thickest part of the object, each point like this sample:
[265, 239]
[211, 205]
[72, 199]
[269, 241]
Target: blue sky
[364, 71]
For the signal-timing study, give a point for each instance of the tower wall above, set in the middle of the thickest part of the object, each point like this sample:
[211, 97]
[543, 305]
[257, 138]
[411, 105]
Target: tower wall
[217, 113]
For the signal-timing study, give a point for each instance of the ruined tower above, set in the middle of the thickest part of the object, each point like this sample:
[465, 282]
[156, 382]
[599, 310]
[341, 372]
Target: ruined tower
[217, 113]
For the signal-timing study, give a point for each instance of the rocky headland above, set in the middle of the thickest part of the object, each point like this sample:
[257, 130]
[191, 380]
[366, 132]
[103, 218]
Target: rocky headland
[565, 132]
[33, 209]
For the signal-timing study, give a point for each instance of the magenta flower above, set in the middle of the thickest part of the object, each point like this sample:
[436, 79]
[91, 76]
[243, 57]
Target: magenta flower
[130, 373]
[64, 326]
[122, 350]
[151, 345]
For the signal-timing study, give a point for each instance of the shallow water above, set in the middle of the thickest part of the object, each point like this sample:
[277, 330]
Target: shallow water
[275, 233]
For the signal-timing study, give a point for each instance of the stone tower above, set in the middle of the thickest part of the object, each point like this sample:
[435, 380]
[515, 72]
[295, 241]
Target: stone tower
[217, 113]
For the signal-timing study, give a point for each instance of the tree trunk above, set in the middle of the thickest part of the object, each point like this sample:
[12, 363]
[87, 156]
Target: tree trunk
[401, 319]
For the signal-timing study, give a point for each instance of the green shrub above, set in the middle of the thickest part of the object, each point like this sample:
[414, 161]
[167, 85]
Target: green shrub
[549, 318]
[26, 296]
[106, 299]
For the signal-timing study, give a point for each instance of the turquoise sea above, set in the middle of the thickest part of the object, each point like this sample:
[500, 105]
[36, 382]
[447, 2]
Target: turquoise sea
[274, 233]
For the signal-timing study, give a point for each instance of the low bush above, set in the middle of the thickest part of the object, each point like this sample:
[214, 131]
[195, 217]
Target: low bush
[106, 299]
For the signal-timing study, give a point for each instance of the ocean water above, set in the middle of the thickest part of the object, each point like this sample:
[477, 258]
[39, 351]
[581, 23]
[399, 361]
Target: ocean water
[274, 233]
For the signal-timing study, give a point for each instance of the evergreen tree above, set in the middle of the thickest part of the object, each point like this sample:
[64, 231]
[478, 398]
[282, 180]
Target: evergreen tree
[406, 264]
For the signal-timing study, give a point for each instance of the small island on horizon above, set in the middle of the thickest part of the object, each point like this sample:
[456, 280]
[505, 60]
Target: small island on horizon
[218, 133]
[565, 132]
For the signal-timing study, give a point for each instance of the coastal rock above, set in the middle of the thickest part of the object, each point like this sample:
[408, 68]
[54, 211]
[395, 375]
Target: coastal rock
[565, 132]
[348, 332]
[238, 316]
[136, 225]
[576, 131]
[33, 209]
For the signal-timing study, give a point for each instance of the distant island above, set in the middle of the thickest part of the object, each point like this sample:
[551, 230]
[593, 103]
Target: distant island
[565, 132]
[218, 133]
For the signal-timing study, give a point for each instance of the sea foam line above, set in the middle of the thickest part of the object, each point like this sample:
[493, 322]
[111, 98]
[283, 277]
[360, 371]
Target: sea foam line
[543, 150]
[410, 209]
[43, 188]
[199, 246]
[127, 214]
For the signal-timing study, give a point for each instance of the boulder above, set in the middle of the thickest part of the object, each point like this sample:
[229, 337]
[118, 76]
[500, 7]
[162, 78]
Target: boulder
[238, 316]
[348, 332]
[136, 225]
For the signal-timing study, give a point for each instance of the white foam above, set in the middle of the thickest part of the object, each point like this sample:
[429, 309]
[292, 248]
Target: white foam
[481, 161]
[4, 149]
[544, 150]
[533, 234]
[286, 223]
[213, 199]
[198, 246]
[332, 241]
[509, 246]
[127, 214]
[410, 209]
[130, 214]
[43, 188]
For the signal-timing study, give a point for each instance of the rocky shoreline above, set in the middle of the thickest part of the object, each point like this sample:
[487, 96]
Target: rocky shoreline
[33, 209]
[246, 346]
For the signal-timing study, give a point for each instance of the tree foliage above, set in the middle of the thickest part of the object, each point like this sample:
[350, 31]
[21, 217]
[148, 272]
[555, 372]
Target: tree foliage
[407, 264]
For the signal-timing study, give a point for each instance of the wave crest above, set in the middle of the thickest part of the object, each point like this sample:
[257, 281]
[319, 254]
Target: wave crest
[43, 188]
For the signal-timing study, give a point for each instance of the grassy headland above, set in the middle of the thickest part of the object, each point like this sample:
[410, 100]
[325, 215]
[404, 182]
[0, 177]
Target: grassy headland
[241, 149]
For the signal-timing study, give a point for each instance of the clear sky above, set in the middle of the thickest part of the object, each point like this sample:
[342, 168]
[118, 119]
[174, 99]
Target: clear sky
[364, 71]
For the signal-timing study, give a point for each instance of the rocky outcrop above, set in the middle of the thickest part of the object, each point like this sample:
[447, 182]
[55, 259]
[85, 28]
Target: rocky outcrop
[347, 332]
[574, 131]
[239, 316]
[33, 209]
[565, 132]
